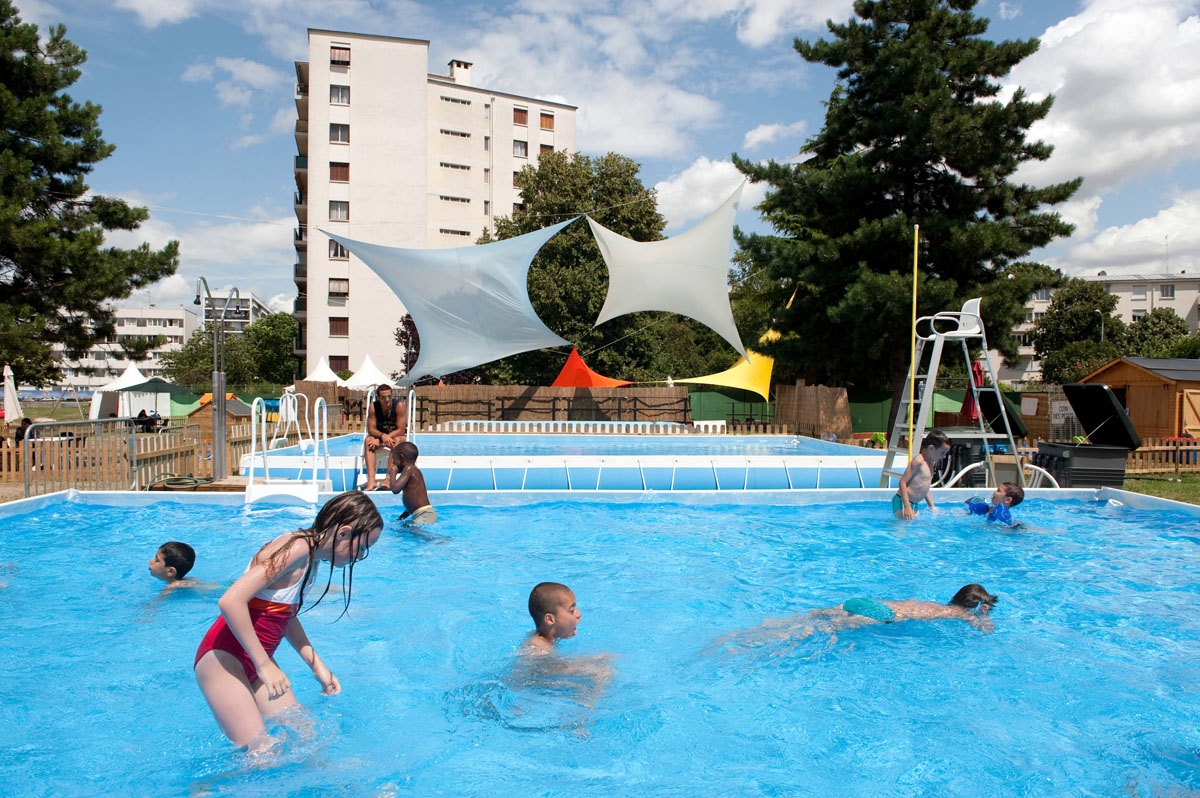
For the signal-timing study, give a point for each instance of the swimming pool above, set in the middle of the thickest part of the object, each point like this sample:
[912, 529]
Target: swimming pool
[1087, 687]
[474, 462]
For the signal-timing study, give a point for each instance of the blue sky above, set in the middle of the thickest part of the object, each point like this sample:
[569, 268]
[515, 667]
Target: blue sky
[197, 97]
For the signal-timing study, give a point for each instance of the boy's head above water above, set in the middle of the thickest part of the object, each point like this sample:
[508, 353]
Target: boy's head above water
[552, 607]
[172, 561]
[1009, 493]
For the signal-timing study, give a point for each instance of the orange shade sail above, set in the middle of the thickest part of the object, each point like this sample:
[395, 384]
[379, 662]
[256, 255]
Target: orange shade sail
[576, 374]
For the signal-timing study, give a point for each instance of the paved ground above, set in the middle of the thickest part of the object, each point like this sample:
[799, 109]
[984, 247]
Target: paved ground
[11, 490]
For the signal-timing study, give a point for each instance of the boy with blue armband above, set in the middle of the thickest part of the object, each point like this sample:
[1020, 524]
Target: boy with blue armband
[1007, 496]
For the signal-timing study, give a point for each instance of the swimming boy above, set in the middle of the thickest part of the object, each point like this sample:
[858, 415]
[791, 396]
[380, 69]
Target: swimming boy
[555, 616]
[403, 475]
[1007, 496]
[172, 562]
[918, 477]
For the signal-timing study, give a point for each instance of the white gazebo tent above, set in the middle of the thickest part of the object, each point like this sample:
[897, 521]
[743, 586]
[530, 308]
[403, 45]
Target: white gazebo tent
[322, 373]
[116, 398]
[367, 376]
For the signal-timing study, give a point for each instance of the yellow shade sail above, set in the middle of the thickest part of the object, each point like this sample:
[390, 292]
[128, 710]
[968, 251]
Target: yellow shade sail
[748, 375]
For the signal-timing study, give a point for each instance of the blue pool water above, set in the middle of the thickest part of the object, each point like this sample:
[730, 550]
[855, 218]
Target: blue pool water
[482, 445]
[1087, 687]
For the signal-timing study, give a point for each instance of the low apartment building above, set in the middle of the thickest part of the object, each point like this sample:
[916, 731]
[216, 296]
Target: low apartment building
[105, 361]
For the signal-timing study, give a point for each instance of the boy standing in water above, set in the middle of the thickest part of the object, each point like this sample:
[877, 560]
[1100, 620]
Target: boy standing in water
[403, 475]
[918, 477]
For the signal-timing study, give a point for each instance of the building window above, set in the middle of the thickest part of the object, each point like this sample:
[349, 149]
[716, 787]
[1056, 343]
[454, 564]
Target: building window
[487, 143]
[520, 116]
[339, 56]
[547, 121]
[518, 206]
[458, 133]
[1166, 291]
[459, 166]
[339, 363]
[487, 175]
[339, 172]
[448, 198]
[339, 286]
[339, 134]
[487, 110]
[520, 149]
[337, 251]
[1137, 315]
[446, 231]
[1042, 294]
[339, 326]
[487, 208]
[545, 148]
[455, 100]
[1037, 316]
[1139, 292]
[516, 175]
[339, 211]
[339, 95]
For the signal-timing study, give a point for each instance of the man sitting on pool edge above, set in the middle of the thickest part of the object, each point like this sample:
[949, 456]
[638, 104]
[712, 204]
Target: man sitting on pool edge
[387, 426]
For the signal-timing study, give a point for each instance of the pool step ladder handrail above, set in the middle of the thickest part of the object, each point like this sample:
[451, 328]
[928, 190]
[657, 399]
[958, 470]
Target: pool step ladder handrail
[965, 327]
[305, 491]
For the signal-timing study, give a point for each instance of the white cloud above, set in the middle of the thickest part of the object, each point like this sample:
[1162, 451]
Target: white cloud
[282, 303]
[251, 73]
[697, 191]
[1082, 212]
[38, 12]
[1126, 81]
[768, 134]
[1009, 10]
[1169, 241]
[761, 22]
[244, 84]
[152, 13]
[232, 94]
[284, 120]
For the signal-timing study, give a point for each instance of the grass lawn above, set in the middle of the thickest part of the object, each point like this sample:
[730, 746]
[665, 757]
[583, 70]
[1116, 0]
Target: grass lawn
[1184, 487]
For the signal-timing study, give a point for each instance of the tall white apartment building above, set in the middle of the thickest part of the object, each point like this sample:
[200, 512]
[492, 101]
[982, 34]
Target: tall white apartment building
[1137, 295]
[105, 361]
[392, 154]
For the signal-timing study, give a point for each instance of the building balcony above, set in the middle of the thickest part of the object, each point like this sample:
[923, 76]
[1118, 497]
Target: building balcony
[302, 137]
[302, 89]
[301, 167]
[301, 205]
[301, 239]
[300, 306]
[300, 274]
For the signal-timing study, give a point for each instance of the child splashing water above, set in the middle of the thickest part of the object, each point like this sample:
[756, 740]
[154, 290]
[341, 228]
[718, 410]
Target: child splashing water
[234, 666]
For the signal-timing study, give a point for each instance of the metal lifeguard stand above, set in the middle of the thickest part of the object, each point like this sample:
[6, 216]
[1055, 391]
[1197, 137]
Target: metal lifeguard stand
[966, 328]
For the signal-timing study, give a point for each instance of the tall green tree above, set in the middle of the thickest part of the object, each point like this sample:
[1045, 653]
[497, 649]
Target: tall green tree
[914, 134]
[56, 275]
[1156, 334]
[1079, 332]
[568, 280]
[272, 339]
[192, 364]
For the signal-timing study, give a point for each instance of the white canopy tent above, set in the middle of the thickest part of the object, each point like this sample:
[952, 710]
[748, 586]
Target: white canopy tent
[116, 398]
[367, 376]
[322, 373]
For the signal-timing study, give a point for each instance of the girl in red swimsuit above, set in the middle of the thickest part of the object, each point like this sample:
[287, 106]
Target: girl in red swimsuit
[234, 664]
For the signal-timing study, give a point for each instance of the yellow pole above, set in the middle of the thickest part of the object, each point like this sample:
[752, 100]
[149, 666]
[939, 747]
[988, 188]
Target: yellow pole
[912, 374]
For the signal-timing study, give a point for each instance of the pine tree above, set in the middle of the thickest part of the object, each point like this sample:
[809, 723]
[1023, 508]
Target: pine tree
[57, 277]
[914, 134]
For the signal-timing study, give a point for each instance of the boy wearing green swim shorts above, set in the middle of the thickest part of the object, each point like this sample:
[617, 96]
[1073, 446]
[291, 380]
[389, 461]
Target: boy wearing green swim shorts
[918, 477]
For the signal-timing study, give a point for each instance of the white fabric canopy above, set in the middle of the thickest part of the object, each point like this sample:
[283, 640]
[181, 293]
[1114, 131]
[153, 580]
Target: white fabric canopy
[687, 274]
[367, 376]
[12, 405]
[116, 398]
[322, 373]
[470, 305]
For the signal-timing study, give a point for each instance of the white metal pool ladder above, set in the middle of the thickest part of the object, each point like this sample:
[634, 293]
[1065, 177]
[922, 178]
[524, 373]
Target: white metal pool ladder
[315, 446]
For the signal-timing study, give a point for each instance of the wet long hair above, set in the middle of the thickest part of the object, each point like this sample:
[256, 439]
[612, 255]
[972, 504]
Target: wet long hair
[971, 596]
[354, 509]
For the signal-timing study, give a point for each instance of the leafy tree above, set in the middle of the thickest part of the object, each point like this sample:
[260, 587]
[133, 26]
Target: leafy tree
[1067, 338]
[914, 135]
[408, 340]
[56, 275]
[1188, 347]
[273, 341]
[192, 364]
[568, 280]
[1156, 333]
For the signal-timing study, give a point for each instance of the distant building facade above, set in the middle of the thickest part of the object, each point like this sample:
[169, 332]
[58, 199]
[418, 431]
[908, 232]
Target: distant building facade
[104, 362]
[1137, 295]
[242, 311]
[394, 155]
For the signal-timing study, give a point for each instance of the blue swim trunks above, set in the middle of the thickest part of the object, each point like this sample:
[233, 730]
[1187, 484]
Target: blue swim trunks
[869, 608]
[898, 504]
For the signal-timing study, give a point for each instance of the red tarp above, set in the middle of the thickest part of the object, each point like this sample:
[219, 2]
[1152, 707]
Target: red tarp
[968, 408]
[576, 374]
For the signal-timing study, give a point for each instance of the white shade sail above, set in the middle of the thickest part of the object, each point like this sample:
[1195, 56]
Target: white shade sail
[687, 274]
[470, 305]
[367, 376]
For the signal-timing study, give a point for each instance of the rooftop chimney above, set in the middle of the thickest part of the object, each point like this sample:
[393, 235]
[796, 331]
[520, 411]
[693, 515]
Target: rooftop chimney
[460, 72]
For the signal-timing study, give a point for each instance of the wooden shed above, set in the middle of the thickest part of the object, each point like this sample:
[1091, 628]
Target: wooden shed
[236, 412]
[1162, 395]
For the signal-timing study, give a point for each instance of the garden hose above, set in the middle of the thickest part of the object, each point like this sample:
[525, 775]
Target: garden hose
[175, 482]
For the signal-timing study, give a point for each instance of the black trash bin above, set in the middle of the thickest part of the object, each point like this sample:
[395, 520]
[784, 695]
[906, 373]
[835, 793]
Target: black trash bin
[1100, 462]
